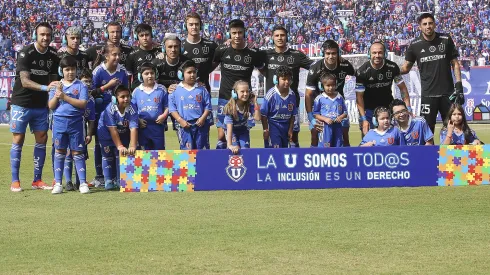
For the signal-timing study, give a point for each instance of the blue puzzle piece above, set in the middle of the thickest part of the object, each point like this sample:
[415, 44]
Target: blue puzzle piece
[441, 182]
[472, 161]
[167, 187]
[442, 160]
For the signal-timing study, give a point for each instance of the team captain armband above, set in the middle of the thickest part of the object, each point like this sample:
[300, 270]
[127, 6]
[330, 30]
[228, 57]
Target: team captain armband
[398, 80]
[360, 88]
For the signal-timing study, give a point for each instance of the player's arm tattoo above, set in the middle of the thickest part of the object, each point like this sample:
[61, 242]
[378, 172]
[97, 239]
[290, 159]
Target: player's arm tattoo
[25, 79]
[457, 69]
[406, 67]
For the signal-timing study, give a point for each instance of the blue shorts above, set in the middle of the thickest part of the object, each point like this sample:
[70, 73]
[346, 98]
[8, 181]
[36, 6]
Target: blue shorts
[297, 123]
[20, 117]
[331, 136]
[345, 123]
[278, 136]
[68, 133]
[220, 116]
[369, 118]
[152, 137]
[241, 139]
[193, 137]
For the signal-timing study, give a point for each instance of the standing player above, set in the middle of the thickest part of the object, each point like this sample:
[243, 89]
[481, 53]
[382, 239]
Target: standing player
[435, 53]
[36, 65]
[112, 33]
[237, 63]
[415, 130]
[72, 39]
[340, 68]
[146, 52]
[373, 85]
[282, 55]
[199, 49]
[168, 66]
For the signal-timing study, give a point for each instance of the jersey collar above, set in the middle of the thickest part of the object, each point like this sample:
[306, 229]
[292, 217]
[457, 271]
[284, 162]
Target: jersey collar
[279, 93]
[200, 39]
[326, 67]
[118, 68]
[372, 66]
[142, 88]
[408, 125]
[181, 84]
[67, 85]
[332, 99]
[35, 47]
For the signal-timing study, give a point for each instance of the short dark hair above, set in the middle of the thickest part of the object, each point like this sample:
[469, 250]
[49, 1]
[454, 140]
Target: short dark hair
[86, 73]
[68, 61]
[236, 23]
[120, 88]
[279, 28]
[326, 76]
[143, 27]
[330, 44]
[43, 24]
[284, 71]
[397, 102]
[187, 64]
[113, 24]
[426, 15]
[146, 66]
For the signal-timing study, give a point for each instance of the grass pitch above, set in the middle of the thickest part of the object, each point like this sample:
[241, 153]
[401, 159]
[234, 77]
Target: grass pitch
[395, 230]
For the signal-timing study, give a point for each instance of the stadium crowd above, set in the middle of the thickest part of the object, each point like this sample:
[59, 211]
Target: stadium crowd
[307, 22]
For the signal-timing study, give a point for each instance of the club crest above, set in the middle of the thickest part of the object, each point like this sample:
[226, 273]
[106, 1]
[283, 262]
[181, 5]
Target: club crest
[236, 169]
[391, 140]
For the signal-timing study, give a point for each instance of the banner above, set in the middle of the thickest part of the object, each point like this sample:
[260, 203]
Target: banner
[97, 14]
[464, 165]
[7, 81]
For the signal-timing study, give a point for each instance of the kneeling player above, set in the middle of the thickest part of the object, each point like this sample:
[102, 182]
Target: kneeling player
[383, 134]
[415, 130]
[278, 111]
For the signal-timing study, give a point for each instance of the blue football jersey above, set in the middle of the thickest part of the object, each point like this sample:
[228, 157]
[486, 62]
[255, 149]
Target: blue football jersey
[90, 110]
[242, 124]
[150, 104]
[76, 90]
[329, 107]
[279, 109]
[458, 139]
[417, 132]
[190, 104]
[101, 77]
[111, 117]
[389, 138]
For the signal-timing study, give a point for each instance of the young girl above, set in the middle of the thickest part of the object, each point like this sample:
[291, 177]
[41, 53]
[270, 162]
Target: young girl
[455, 130]
[118, 133]
[383, 134]
[329, 108]
[107, 76]
[152, 102]
[238, 112]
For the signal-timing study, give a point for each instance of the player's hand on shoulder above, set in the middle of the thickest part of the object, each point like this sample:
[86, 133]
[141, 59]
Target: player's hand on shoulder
[172, 88]
[160, 56]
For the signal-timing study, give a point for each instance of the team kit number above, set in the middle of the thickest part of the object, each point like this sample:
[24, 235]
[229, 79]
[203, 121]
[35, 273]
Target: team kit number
[17, 115]
[425, 109]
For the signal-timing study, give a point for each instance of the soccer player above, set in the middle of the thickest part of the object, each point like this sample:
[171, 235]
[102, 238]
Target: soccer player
[190, 105]
[282, 55]
[415, 129]
[278, 111]
[435, 53]
[107, 76]
[118, 133]
[68, 102]
[383, 134]
[373, 85]
[455, 130]
[146, 52]
[37, 66]
[71, 41]
[151, 99]
[168, 66]
[237, 63]
[241, 108]
[199, 49]
[333, 64]
[329, 108]
[112, 33]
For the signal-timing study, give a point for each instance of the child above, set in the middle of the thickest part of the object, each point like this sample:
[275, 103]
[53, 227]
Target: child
[238, 115]
[190, 105]
[455, 130]
[88, 129]
[329, 108]
[107, 76]
[68, 102]
[415, 130]
[278, 110]
[151, 100]
[383, 134]
[118, 133]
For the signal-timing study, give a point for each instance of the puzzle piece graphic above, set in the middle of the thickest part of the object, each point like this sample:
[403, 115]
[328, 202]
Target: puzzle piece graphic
[457, 161]
[138, 162]
[182, 187]
[441, 182]
[129, 168]
[167, 187]
[183, 164]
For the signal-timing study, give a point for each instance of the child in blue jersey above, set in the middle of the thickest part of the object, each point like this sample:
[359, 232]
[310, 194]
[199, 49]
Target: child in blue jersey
[68, 102]
[455, 130]
[415, 130]
[278, 111]
[190, 105]
[88, 130]
[118, 133]
[329, 108]
[383, 134]
[107, 76]
[151, 100]
[240, 112]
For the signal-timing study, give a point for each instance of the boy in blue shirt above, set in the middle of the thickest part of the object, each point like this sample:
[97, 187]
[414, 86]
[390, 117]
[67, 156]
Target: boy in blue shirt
[278, 110]
[190, 105]
[151, 100]
[383, 134]
[118, 133]
[415, 130]
[68, 102]
[329, 108]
